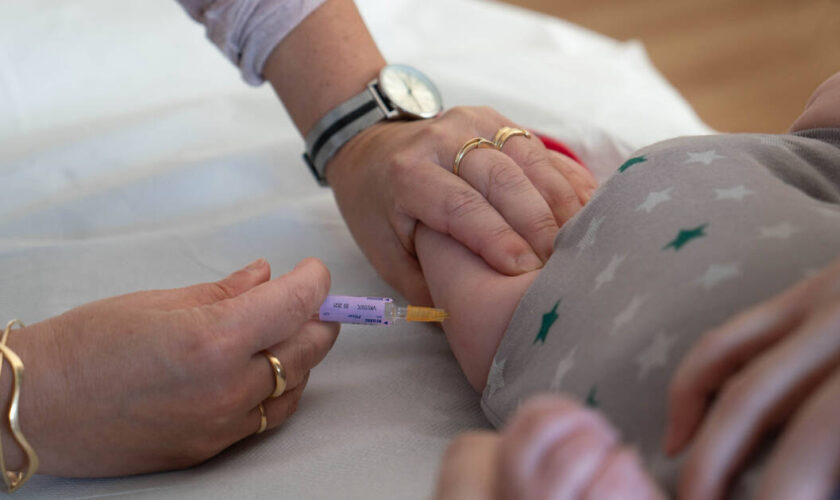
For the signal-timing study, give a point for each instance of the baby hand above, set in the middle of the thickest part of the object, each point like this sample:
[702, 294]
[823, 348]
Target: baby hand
[552, 448]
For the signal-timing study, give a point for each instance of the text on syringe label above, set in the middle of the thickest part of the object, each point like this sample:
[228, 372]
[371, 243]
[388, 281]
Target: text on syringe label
[357, 310]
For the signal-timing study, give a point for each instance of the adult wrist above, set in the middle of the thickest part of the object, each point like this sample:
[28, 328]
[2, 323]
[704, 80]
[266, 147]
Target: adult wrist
[337, 167]
[325, 60]
[399, 92]
[19, 460]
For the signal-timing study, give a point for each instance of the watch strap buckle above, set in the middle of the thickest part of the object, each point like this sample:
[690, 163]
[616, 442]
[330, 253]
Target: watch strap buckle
[382, 101]
[322, 180]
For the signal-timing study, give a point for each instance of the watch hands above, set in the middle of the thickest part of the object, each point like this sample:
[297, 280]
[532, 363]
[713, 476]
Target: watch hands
[419, 106]
[408, 84]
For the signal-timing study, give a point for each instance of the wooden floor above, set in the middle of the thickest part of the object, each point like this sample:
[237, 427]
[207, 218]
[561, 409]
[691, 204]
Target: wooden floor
[745, 65]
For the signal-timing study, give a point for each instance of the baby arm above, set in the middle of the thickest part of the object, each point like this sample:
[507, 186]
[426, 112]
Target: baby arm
[553, 446]
[480, 300]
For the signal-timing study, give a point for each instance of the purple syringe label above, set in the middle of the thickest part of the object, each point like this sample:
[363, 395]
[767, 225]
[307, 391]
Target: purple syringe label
[357, 310]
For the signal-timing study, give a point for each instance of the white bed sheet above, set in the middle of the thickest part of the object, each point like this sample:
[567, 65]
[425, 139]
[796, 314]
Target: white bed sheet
[133, 157]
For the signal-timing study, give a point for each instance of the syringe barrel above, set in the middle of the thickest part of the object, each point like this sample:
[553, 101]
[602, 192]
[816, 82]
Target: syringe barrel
[358, 310]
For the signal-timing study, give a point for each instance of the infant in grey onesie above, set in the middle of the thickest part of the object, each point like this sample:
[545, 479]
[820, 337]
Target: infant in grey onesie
[685, 234]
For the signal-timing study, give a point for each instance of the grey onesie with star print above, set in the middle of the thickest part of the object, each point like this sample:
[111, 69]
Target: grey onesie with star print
[685, 234]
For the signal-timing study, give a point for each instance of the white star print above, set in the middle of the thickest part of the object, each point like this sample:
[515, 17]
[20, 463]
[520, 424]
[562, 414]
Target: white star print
[705, 157]
[828, 212]
[781, 231]
[655, 198]
[773, 140]
[733, 193]
[589, 238]
[496, 377]
[629, 312]
[608, 273]
[563, 368]
[717, 273]
[807, 273]
[655, 356]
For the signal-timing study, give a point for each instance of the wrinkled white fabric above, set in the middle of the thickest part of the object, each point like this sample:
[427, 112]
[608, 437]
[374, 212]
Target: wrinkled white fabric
[133, 157]
[246, 31]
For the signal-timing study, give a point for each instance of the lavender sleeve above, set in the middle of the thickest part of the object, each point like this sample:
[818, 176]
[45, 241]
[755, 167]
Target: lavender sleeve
[247, 31]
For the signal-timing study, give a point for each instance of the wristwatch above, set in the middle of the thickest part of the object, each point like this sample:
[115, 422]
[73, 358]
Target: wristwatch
[400, 93]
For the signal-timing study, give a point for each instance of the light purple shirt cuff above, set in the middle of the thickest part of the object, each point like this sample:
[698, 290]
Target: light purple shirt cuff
[247, 31]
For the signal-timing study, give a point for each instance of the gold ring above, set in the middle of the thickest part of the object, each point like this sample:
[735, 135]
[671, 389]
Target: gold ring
[279, 374]
[474, 143]
[506, 133]
[263, 420]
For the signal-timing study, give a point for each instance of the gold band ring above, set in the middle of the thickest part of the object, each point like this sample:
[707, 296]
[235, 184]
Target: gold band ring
[279, 374]
[474, 143]
[263, 420]
[506, 133]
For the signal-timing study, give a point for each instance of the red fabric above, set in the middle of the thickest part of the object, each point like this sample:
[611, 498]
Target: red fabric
[555, 145]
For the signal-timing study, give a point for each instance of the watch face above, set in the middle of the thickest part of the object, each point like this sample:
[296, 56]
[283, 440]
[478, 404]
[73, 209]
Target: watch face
[410, 91]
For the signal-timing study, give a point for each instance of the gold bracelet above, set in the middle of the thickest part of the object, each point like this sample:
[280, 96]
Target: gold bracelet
[15, 480]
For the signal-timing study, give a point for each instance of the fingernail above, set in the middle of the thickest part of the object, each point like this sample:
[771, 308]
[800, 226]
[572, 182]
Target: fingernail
[257, 264]
[528, 261]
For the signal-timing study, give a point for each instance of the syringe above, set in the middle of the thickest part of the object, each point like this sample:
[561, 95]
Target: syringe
[373, 311]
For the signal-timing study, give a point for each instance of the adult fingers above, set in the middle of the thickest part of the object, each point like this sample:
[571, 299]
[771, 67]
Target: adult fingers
[572, 464]
[719, 354]
[623, 476]
[411, 283]
[298, 355]
[579, 177]
[506, 187]
[276, 411]
[806, 460]
[468, 469]
[537, 444]
[234, 284]
[757, 399]
[274, 311]
[546, 172]
[399, 268]
[451, 206]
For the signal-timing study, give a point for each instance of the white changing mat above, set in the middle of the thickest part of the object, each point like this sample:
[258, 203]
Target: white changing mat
[133, 157]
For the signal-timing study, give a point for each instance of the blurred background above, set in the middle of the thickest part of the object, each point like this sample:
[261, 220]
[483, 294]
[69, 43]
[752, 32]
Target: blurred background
[745, 65]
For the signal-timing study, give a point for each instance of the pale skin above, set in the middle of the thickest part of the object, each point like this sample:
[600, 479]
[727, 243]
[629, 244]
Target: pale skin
[506, 207]
[166, 379]
[552, 448]
[775, 366]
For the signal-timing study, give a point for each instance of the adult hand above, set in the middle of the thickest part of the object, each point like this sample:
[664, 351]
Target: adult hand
[777, 364]
[166, 379]
[505, 206]
[552, 448]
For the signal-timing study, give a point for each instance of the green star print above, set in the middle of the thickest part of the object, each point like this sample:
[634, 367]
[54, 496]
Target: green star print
[548, 319]
[591, 398]
[632, 161]
[685, 236]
